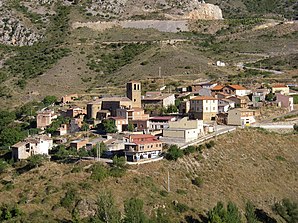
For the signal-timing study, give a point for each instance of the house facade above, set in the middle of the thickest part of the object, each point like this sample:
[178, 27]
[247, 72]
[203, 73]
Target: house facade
[237, 90]
[32, 146]
[185, 129]
[142, 147]
[285, 101]
[281, 89]
[241, 117]
[160, 122]
[203, 107]
[45, 118]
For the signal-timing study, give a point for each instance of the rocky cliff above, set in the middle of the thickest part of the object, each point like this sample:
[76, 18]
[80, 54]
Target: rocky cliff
[206, 11]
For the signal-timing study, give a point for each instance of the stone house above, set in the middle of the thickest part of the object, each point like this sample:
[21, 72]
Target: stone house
[241, 117]
[45, 118]
[203, 107]
[285, 101]
[32, 146]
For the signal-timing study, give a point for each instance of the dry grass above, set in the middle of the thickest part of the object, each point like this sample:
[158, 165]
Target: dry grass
[245, 165]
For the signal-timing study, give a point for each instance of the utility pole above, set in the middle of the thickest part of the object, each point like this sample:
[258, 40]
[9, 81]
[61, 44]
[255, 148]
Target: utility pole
[97, 152]
[169, 181]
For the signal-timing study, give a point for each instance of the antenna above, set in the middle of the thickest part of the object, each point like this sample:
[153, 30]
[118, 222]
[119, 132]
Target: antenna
[159, 72]
[169, 181]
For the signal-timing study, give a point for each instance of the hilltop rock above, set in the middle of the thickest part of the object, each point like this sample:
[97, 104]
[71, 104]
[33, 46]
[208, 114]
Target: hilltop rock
[206, 11]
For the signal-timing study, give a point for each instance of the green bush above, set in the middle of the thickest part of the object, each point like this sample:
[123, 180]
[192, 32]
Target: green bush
[188, 150]
[174, 153]
[99, 172]
[198, 181]
[68, 200]
[181, 208]
[288, 210]
[180, 191]
[164, 193]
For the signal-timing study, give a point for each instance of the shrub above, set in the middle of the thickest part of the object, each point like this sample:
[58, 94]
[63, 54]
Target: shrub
[181, 208]
[174, 153]
[197, 181]
[180, 191]
[189, 150]
[210, 144]
[288, 210]
[99, 172]
[68, 200]
[164, 193]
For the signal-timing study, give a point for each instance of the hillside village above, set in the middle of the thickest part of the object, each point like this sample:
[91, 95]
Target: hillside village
[138, 126]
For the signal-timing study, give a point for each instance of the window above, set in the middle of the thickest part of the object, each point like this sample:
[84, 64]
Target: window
[135, 87]
[206, 108]
[213, 108]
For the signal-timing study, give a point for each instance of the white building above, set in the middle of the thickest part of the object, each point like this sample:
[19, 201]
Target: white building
[185, 129]
[32, 146]
[160, 122]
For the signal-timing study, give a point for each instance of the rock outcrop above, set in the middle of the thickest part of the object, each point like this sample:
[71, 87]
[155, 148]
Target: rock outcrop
[206, 11]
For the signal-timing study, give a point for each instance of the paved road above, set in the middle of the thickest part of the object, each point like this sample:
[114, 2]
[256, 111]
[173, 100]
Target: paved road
[274, 126]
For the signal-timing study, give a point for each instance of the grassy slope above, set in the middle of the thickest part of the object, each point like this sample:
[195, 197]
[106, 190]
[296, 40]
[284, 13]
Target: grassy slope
[240, 167]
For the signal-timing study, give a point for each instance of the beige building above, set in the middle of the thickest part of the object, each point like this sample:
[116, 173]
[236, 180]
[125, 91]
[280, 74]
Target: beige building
[203, 107]
[32, 146]
[241, 116]
[133, 92]
[69, 98]
[280, 88]
[141, 147]
[185, 129]
[132, 100]
[45, 118]
[158, 99]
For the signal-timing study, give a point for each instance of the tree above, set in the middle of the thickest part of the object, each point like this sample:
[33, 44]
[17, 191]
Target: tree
[233, 214]
[99, 172]
[219, 214]
[10, 136]
[171, 109]
[118, 168]
[6, 117]
[49, 100]
[269, 97]
[106, 209]
[130, 127]
[85, 127]
[134, 213]
[108, 126]
[288, 210]
[250, 213]
[174, 153]
[36, 160]
[3, 166]
[296, 127]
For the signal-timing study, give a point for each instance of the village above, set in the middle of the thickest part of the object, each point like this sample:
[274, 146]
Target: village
[138, 126]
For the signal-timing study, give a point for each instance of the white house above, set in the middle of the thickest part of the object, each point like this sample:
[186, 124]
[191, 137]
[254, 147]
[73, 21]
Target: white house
[32, 146]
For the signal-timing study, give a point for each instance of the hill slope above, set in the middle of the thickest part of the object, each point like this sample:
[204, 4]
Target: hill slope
[244, 165]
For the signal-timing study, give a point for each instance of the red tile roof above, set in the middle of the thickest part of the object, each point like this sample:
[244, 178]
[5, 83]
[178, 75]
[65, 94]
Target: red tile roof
[279, 85]
[200, 98]
[217, 88]
[237, 87]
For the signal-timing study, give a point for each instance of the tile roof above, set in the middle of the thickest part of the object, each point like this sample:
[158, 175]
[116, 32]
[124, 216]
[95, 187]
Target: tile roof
[237, 87]
[217, 88]
[200, 98]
